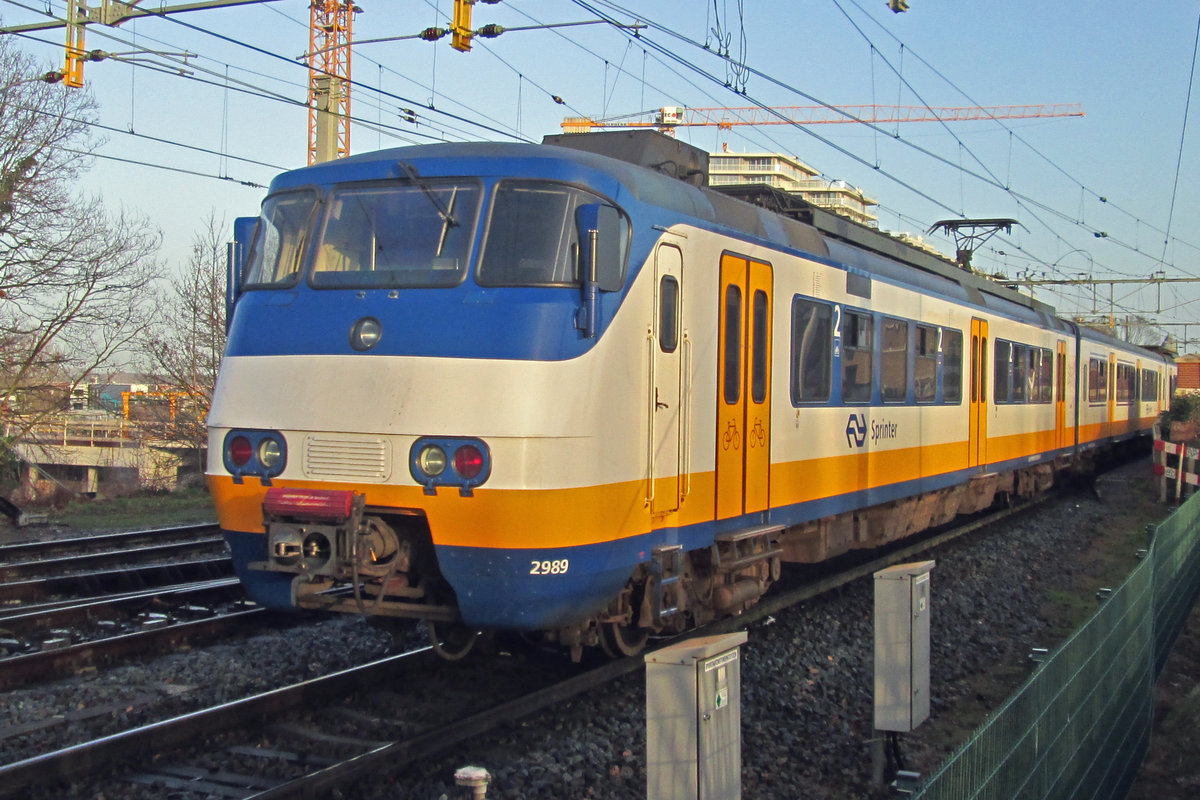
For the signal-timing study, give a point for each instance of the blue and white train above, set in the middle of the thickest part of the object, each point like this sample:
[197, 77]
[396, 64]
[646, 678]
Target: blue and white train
[541, 388]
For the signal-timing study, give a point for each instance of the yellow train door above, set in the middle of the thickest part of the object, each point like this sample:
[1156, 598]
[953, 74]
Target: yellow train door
[1060, 396]
[1109, 425]
[744, 387]
[977, 434]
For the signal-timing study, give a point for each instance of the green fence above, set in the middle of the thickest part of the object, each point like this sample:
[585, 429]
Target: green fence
[1079, 727]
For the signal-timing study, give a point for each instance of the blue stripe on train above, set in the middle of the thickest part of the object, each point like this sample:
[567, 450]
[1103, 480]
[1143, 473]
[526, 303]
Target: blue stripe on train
[270, 589]
[535, 589]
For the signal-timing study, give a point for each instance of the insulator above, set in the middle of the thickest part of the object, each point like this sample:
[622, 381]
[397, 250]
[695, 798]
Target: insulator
[490, 31]
[558, 100]
[433, 34]
[52, 77]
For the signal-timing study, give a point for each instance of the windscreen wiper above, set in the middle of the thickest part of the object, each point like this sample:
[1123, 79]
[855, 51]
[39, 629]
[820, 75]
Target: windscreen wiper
[443, 212]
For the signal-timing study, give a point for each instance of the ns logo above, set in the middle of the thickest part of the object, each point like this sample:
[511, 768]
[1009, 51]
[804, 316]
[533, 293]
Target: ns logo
[856, 430]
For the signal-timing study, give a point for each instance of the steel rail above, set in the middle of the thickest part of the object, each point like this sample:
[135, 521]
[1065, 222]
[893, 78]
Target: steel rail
[84, 605]
[399, 754]
[129, 577]
[45, 665]
[41, 548]
[92, 561]
[72, 763]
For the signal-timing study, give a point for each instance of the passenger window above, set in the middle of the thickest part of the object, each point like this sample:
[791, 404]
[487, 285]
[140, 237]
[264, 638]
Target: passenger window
[1003, 371]
[857, 354]
[1020, 374]
[925, 366]
[1046, 379]
[893, 363]
[1149, 386]
[1097, 380]
[952, 351]
[812, 350]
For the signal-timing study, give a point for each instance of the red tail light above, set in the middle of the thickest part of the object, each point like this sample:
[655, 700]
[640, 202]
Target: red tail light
[309, 503]
[240, 451]
[468, 461]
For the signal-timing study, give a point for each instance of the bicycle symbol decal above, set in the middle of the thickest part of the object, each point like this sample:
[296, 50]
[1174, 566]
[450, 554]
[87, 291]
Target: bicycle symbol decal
[758, 436]
[732, 437]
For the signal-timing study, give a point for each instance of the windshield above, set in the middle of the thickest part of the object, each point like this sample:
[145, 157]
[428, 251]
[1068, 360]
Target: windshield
[280, 240]
[532, 239]
[403, 235]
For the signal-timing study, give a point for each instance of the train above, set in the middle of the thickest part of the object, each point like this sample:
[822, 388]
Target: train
[568, 390]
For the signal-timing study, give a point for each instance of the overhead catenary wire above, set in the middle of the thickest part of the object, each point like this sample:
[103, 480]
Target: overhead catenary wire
[987, 179]
[695, 68]
[1135, 246]
[1182, 136]
[188, 66]
[157, 13]
[1096, 195]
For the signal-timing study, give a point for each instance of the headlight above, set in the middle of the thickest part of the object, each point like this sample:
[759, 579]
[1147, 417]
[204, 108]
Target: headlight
[269, 453]
[431, 460]
[366, 333]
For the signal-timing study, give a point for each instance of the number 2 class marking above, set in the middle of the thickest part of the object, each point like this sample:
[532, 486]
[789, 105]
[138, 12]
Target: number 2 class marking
[555, 567]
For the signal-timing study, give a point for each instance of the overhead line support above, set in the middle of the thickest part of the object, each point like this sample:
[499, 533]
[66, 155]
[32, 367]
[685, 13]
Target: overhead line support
[111, 13]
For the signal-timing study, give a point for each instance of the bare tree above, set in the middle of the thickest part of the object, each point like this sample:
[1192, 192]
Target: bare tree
[185, 342]
[1143, 331]
[74, 278]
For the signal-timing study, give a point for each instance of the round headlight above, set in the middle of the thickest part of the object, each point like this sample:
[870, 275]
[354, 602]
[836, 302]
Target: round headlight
[431, 460]
[270, 453]
[366, 333]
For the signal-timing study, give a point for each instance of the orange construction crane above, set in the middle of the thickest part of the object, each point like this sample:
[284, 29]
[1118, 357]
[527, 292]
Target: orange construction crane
[668, 118]
[329, 79]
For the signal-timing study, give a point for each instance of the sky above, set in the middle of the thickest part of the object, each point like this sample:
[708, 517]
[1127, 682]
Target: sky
[1111, 195]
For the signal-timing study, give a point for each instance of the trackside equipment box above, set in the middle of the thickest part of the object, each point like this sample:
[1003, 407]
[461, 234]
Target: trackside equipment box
[902, 646]
[694, 720]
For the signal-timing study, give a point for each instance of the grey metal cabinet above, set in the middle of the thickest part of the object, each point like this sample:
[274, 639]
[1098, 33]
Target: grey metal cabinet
[694, 720]
[902, 646]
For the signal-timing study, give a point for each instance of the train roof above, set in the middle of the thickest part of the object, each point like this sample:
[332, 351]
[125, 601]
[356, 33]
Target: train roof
[662, 172]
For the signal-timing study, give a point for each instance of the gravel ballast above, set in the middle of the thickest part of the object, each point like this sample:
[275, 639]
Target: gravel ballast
[806, 674]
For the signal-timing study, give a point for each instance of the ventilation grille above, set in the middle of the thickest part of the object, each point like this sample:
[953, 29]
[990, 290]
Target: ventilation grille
[363, 458]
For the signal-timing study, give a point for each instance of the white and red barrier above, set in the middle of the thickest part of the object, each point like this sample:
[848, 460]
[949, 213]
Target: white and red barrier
[1183, 473]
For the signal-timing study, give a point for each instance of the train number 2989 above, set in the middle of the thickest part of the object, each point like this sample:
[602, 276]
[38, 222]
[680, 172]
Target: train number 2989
[556, 567]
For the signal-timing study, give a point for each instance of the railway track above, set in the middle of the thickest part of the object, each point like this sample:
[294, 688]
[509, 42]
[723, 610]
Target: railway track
[19, 552]
[329, 731]
[71, 604]
[42, 558]
[47, 642]
[86, 567]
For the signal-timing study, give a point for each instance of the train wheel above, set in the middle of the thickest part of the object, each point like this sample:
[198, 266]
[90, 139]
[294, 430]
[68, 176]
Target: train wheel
[618, 639]
[451, 641]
